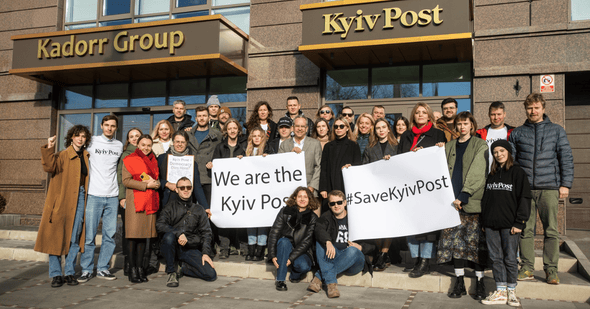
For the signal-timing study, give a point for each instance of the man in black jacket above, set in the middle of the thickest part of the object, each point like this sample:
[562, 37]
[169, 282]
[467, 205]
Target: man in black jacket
[335, 253]
[186, 237]
[544, 153]
[180, 120]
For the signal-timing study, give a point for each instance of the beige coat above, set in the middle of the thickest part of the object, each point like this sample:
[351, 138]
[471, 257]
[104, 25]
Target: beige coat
[137, 224]
[59, 212]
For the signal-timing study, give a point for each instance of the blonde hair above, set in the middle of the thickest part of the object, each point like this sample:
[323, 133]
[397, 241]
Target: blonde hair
[350, 134]
[374, 139]
[250, 148]
[157, 128]
[358, 120]
[428, 110]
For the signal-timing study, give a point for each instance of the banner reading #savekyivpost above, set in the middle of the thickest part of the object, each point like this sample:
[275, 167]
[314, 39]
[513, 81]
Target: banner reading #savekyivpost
[250, 192]
[409, 194]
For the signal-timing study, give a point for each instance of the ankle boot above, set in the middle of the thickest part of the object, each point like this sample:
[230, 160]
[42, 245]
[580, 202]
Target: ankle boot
[134, 275]
[126, 266]
[480, 290]
[410, 268]
[380, 264]
[258, 253]
[250, 255]
[423, 269]
[142, 275]
[459, 288]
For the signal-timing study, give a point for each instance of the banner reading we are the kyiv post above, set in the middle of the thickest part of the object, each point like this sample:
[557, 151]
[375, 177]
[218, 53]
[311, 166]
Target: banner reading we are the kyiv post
[409, 194]
[250, 192]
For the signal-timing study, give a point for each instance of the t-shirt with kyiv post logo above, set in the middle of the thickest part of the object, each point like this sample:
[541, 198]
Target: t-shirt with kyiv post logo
[104, 156]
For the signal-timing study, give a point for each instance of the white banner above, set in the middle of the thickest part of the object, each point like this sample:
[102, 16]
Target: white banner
[179, 167]
[408, 194]
[250, 192]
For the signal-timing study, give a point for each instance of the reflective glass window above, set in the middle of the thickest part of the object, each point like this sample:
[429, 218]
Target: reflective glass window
[115, 7]
[96, 129]
[463, 105]
[239, 113]
[148, 94]
[395, 82]
[190, 14]
[239, 16]
[151, 18]
[228, 2]
[184, 3]
[158, 117]
[79, 10]
[448, 79]
[68, 121]
[191, 91]
[115, 22]
[229, 89]
[347, 84]
[77, 97]
[111, 95]
[580, 9]
[128, 122]
[151, 6]
[80, 26]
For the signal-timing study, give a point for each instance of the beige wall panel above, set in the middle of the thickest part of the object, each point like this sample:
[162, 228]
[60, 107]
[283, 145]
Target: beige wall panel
[275, 13]
[36, 18]
[490, 89]
[548, 12]
[24, 170]
[12, 5]
[24, 202]
[5, 61]
[275, 38]
[15, 88]
[500, 16]
[25, 110]
[6, 42]
[19, 150]
[25, 129]
[282, 71]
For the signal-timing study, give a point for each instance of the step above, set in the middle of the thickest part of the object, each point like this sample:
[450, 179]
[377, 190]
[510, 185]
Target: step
[29, 233]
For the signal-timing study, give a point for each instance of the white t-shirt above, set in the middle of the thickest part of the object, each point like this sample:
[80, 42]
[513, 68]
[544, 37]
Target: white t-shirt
[104, 156]
[264, 126]
[166, 145]
[495, 135]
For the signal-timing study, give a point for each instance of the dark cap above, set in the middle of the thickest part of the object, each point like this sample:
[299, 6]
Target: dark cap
[285, 122]
[502, 143]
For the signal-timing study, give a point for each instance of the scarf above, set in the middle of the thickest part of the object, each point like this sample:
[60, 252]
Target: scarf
[178, 154]
[418, 132]
[138, 163]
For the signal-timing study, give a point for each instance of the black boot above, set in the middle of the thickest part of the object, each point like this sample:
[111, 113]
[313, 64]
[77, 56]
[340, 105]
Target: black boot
[134, 275]
[251, 250]
[380, 262]
[459, 288]
[259, 253]
[480, 290]
[126, 266]
[410, 268]
[423, 269]
[142, 275]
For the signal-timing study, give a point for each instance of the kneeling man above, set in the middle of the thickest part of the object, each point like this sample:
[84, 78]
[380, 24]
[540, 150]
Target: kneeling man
[335, 253]
[186, 237]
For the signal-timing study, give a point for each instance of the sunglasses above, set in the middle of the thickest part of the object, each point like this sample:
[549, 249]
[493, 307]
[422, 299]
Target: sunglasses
[347, 114]
[325, 112]
[339, 126]
[185, 188]
[336, 203]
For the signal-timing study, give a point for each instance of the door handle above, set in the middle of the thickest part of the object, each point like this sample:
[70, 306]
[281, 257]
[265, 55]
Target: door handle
[576, 200]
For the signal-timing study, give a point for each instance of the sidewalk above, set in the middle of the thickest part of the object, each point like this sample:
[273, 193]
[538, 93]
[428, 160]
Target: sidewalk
[26, 285]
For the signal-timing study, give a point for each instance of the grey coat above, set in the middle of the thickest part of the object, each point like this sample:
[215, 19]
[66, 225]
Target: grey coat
[374, 153]
[543, 151]
[312, 149]
[204, 151]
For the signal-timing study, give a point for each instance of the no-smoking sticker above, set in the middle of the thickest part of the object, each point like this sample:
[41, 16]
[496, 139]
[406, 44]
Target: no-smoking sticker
[547, 83]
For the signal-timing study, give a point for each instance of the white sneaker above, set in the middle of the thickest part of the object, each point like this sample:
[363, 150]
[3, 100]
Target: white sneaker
[512, 300]
[498, 297]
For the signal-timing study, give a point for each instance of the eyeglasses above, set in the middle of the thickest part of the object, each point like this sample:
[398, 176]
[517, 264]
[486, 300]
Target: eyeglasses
[339, 126]
[185, 188]
[347, 114]
[325, 112]
[336, 203]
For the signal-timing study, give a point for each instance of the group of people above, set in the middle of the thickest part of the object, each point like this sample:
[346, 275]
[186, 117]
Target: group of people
[501, 177]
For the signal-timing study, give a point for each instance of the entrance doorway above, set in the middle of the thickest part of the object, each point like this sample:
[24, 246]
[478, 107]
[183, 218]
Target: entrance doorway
[145, 121]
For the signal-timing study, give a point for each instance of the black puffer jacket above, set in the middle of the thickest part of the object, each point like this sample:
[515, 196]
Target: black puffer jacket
[543, 151]
[183, 217]
[298, 227]
[222, 149]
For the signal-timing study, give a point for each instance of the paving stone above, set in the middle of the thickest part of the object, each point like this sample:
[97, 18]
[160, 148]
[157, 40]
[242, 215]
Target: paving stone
[44, 296]
[186, 284]
[539, 304]
[263, 290]
[131, 298]
[360, 297]
[222, 302]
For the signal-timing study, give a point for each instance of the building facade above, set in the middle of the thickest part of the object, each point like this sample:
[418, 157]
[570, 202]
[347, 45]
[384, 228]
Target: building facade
[341, 53]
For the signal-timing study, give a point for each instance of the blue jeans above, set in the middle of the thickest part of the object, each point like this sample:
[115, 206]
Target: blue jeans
[257, 235]
[192, 259]
[420, 248]
[55, 260]
[502, 248]
[106, 208]
[350, 261]
[300, 266]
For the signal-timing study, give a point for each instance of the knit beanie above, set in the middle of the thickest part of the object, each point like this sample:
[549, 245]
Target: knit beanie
[225, 109]
[501, 143]
[213, 100]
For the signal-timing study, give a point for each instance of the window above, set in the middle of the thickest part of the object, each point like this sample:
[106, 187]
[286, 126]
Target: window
[66, 122]
[396, 82]
[82, 14]
[347, 84]
[580, 10]
[229, 89]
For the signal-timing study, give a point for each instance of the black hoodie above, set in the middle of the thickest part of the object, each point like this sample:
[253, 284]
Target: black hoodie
[506, 202]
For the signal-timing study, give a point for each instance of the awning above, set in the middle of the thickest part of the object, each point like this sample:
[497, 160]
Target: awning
[187, 47]
[372, 33]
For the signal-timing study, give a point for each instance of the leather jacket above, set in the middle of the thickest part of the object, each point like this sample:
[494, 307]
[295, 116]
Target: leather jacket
[298, 227]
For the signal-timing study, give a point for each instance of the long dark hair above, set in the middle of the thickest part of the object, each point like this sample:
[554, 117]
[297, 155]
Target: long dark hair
[314, 134]
[313, 203]
[127, 139]
[254, 119]
[406, 122]
[374, 139]
[508, 165]
[75, 131]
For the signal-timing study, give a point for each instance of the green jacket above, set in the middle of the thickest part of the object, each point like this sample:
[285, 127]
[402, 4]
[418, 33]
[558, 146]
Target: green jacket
[475, 165]
[122, 190]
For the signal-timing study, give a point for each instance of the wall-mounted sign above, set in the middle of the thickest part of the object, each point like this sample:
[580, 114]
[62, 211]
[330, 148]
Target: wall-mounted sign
[547, 83]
